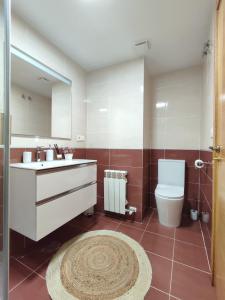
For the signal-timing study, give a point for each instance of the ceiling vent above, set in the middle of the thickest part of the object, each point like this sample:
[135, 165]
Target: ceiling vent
[142, 46]
[42, 78]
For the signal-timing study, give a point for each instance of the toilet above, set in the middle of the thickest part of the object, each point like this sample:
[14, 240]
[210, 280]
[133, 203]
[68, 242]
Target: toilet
[169, 192]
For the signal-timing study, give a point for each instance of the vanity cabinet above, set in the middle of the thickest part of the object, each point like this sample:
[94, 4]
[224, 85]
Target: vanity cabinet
[43, 200]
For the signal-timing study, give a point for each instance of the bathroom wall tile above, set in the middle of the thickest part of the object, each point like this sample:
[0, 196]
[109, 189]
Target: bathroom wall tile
[135, 175]
[205, 203]
[192, 192]
[158, 132]
[100, 189]
[204, 178]
[1, 190]
[134, 194]
[101, 155]
[16, 155]
[206, 195]
[153, 184]
[192, 175]
[79, 153]
[154, 171]
[111, 100]
[100, 172]
[175, 113]
[1, 221]
[126, 158]
[152, 200]
[156, 154]
[100, 204]
[188, 155]
[182, 133]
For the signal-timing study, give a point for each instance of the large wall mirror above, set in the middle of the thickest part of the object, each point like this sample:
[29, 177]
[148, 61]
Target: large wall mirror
[40, 99]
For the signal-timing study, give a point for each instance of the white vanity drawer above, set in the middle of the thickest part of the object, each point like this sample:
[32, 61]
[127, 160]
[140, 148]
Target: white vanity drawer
[54, 183]
[55, 213]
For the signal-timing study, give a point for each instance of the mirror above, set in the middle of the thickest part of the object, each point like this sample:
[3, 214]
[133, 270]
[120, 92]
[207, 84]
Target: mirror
[40, 99]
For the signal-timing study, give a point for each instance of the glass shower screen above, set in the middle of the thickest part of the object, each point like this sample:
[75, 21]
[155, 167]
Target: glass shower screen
[4, 145]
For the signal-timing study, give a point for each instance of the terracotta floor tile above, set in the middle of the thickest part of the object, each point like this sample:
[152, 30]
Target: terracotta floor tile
[43, 269]
[161, 272]
[156, 227]
[103, 225]
[85, 222]
[187, 223]
[33, 288]
[63, 234]
[18, 272]
[157, 244]
[191, 255]
[140, 225]
[134, 233]
[36, 256]
[154, 294]
[190, 234]
[188, 283]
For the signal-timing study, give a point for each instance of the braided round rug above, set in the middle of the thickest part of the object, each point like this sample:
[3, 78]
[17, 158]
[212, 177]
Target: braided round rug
[99, 265]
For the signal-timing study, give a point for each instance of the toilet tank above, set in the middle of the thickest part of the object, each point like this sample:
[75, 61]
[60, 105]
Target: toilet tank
[171, 172]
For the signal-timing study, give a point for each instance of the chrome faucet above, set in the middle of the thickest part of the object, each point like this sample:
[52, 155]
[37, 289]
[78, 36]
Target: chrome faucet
[38, 153]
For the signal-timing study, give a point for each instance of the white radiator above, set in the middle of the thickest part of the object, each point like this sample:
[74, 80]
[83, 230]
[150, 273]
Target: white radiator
[115, 191]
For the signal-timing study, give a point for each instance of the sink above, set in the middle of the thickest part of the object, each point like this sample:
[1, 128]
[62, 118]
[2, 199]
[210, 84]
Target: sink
[51, 164]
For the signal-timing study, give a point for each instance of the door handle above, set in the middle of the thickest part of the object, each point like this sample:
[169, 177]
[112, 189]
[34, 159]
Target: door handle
[217, 158]
[216, 149]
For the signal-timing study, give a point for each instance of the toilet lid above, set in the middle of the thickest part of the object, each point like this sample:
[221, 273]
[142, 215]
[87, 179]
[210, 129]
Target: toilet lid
[169, 191]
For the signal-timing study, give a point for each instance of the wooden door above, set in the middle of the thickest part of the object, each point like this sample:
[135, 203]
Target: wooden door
[218, 253]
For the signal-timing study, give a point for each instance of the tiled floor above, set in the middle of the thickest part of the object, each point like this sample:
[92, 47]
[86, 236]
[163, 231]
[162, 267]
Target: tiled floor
[178, 258]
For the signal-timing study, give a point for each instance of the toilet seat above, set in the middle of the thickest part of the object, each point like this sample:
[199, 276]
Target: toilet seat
[170, 192]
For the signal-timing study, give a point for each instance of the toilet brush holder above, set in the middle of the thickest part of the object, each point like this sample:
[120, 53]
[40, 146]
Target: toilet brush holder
[205, 217]
[194, 214]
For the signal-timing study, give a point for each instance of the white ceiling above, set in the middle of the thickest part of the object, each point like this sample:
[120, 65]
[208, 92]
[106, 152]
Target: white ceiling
[98, 33]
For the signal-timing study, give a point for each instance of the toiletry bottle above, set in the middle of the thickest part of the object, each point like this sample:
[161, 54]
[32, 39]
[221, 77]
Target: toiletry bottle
[49, 154]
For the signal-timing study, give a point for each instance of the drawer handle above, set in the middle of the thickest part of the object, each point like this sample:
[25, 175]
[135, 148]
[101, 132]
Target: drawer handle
[52, 198]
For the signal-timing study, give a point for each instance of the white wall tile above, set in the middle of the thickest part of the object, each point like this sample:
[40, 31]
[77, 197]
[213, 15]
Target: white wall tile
[176, 110]
[208, 93]
[115, 106]
[182, 133]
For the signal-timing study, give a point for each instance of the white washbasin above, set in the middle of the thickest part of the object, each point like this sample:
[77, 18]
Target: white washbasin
[51, 164]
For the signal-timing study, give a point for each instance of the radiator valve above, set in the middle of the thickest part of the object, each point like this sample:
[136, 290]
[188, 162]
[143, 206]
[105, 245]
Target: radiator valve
[131, 210]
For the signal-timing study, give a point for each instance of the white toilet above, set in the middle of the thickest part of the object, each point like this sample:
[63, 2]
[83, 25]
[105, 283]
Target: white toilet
[169, 192]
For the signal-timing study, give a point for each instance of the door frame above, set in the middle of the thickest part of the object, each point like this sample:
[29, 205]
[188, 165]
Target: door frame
[215, 138]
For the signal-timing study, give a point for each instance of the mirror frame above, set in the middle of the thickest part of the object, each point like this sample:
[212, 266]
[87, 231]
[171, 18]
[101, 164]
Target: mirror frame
[36, 63]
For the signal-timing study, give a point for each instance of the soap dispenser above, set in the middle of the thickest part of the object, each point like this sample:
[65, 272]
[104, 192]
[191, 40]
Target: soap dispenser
[49, 154]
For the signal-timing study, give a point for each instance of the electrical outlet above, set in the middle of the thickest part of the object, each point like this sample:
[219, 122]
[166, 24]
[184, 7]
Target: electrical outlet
[80, 138]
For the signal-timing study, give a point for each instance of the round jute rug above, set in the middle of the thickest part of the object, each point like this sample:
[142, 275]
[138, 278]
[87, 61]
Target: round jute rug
[99, 265]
